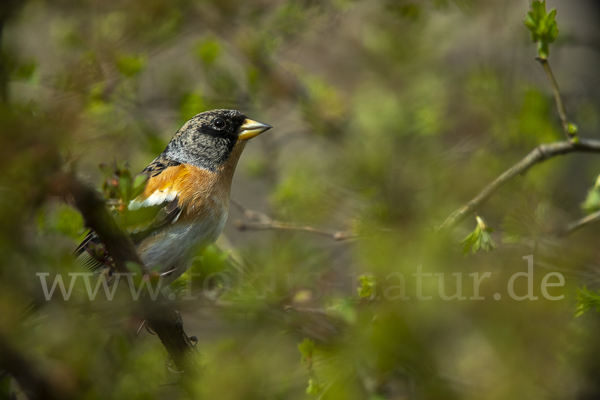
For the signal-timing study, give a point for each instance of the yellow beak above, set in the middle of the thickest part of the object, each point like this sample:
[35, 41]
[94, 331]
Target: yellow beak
[251, 129]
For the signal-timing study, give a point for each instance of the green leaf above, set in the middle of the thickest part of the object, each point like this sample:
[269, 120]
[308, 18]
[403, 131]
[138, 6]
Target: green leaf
[125, 182]
[25, 70]
[107, 170]
[214, 259]
[542, 26]
[139, 184]
[136, 269]
[63, 219]
[314, 387]
[307, 348]
[208, 51]
[131, 65]
[586, 300]
[191, 104]
[479, 239]
[367, 286]
[346, 311]
[592, 200]
[573, 128]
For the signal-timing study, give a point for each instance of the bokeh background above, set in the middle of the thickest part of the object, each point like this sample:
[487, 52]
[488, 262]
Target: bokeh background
[387, 116]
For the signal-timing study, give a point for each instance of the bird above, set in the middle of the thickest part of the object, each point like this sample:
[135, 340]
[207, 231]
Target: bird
[184, 205]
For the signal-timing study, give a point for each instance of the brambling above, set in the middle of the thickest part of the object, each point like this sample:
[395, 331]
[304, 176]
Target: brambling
[185, 203]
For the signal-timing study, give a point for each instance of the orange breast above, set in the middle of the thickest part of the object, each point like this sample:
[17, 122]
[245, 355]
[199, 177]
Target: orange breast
[201, 193]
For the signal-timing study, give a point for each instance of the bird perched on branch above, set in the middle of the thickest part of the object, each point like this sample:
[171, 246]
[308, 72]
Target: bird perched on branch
[185, 202]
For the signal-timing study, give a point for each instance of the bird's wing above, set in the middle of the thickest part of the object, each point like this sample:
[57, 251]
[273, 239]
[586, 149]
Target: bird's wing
[91, 253]
[159, 164]
[160, 203]
[147, 214]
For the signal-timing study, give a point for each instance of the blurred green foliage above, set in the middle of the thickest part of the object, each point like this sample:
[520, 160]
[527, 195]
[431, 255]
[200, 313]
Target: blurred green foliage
[387, 115]
[61, 219]
[131, 65]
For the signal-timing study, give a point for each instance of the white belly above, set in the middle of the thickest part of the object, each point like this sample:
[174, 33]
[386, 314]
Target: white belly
[176, 247]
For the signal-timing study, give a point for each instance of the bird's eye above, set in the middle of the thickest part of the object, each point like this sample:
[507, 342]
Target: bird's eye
[219, 123]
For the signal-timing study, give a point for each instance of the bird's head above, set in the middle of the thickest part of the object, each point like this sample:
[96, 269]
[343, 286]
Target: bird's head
[208, 139]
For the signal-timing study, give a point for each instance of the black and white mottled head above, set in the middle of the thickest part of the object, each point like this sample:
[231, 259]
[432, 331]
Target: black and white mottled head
[208, 139]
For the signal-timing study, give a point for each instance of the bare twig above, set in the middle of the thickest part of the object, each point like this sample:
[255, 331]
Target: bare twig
[537, 155]
[259, 221]
[274, 225]
[580, 223]
[163, 319]
[560, 105]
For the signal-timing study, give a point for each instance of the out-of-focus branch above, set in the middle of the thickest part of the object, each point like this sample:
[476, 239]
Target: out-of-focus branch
[32, 382]
[8, 9]
[580, 223]
[96, 216]
[537, 155]
[560, 105]
[259, 222]
[167, 323]
[3, 66]
[163, 319]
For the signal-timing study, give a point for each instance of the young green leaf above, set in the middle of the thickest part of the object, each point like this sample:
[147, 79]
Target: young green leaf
[367, 286]
[586, 300]
[307, 347]
[479, 239]
[543, 27]
[592, 200]
[314, 387]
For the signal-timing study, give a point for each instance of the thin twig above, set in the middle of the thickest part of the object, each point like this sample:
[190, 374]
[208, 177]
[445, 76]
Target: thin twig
[580, 223]
[260, 222]
[539, 154]
[274, 225]
[562, 111]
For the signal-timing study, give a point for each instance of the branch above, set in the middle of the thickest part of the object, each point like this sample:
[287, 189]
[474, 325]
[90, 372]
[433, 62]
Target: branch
[260, 222]
[562, 111]
[163, 319]
[97, 217]
[580, 223]
[8, 9]
[539, 154]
